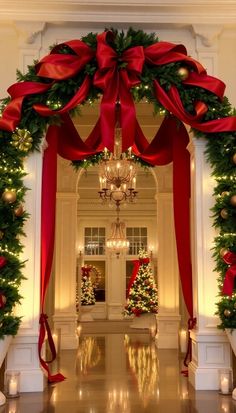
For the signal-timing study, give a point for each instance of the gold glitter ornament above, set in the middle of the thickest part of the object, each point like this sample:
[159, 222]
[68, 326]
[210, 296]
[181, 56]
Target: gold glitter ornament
[224, 213]
[227, 312]
[183, 72]
[22, 140]
[9, 196]
[223, 251]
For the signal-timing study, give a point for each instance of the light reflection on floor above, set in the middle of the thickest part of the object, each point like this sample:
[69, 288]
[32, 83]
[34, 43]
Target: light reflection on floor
[120, 373]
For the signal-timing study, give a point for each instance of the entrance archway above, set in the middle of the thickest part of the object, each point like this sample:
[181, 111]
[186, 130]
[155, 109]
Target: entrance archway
[205, 112]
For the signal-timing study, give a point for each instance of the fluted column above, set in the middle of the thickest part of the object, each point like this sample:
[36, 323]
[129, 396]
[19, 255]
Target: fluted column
[65, 317]
[210, 348]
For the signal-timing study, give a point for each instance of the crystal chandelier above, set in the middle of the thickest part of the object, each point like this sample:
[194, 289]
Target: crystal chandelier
[117, 241]
[117, 174]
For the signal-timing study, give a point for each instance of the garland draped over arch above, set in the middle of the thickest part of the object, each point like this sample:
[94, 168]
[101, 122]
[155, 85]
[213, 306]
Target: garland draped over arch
[117, 74]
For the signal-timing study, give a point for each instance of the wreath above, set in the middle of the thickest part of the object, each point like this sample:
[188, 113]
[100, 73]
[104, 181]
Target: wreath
[125, 68]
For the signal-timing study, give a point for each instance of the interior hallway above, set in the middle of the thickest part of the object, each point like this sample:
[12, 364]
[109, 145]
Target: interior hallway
[120, 372]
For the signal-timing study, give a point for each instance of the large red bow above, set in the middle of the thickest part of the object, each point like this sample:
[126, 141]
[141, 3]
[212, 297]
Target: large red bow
[116, 75]
[228, 286]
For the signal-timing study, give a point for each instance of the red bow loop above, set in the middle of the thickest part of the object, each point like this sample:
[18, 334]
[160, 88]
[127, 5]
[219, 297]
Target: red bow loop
[228, 286]
[162, 53]
[63, 66]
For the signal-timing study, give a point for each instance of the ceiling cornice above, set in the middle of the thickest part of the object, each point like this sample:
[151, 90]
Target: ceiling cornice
[110, 11]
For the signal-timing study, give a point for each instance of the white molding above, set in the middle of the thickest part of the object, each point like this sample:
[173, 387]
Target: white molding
[208, 34]
[138, 11]
[210, 352]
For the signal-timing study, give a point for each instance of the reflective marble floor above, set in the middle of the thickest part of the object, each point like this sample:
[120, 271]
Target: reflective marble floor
[120, 373]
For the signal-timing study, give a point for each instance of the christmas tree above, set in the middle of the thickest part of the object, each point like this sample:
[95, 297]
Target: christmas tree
[87, 291]
[142, 290]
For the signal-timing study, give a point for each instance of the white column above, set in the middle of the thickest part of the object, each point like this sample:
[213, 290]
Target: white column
[168, 276]
[210, 348]
[23, 353]
[115, 288]
[65, 317]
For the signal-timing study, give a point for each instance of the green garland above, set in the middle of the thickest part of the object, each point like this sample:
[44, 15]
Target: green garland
[220, 153]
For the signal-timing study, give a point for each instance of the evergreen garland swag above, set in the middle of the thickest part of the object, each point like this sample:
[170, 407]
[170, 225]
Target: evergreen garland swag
[27, 137]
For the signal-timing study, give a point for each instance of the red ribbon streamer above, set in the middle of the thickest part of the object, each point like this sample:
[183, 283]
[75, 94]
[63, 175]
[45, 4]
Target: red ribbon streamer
[137, 264]
[228, 286]
[48, 210]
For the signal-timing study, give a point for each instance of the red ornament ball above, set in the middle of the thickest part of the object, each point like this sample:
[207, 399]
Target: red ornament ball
[3, 261]
[3, 300]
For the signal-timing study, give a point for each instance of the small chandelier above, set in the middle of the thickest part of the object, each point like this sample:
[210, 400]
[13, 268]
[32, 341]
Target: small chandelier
[117, 241]
[117, 174]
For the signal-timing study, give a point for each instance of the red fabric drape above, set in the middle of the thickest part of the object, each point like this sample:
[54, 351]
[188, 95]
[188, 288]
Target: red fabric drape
[170, 144]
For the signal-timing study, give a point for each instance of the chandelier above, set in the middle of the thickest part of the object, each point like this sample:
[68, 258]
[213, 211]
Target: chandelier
[117, 174]
[117, 241]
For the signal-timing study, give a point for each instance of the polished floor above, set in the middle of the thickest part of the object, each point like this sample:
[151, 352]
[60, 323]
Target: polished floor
[120, 373]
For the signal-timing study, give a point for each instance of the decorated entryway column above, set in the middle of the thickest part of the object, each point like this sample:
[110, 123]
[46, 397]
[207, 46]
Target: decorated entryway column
[210, 347]
[23, 352]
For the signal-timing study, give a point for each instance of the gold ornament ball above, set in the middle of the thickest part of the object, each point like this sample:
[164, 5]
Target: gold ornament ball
[9, 196]
[227, 312]
[183, 73]
[233, 200]
[234, 158]
[224, 213]
[1, 234]
[223, 251]
[19, 211]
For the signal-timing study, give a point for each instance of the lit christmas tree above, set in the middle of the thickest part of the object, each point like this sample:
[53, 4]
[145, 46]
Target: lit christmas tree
[87, 291]
[142, 290]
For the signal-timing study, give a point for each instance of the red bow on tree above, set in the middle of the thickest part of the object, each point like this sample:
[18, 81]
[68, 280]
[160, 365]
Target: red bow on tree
[228, 286]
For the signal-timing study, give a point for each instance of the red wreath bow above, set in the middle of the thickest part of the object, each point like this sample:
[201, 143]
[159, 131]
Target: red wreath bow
[228, 286]
[85, 271]
[116, 75]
